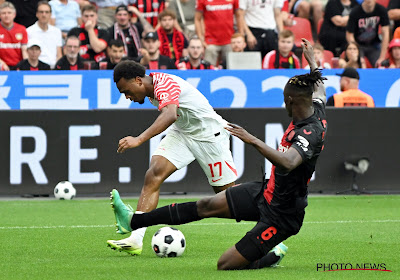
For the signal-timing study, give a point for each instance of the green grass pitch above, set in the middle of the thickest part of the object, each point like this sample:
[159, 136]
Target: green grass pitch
[49, 239]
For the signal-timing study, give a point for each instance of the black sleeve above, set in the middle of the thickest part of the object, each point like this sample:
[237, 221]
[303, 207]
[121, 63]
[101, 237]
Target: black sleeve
[384, 21]
[305, 140]
[330, 102]
[332, 9]
[394, 4]
[352, 23]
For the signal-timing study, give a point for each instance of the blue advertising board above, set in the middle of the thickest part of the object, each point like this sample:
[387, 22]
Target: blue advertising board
[85, 90]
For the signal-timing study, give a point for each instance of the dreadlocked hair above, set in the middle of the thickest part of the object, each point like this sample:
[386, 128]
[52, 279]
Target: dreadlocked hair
[306, 82]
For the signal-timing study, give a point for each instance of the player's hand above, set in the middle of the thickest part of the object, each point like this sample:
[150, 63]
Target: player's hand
[134, 10]
[308, 50]
[240, 133]
[251, 41]
[128, 142]
[89, 25]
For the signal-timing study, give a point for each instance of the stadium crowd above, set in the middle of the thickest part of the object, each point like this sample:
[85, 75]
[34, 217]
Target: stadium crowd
[197, 34]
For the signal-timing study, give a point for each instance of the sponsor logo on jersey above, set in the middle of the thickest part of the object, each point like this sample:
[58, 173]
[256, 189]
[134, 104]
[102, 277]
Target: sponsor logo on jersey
[303, 143]
[19, 36]
[219, 7]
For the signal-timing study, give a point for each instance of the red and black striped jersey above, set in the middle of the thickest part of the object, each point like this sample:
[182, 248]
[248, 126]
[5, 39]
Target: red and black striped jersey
[286, 193]
[150, 9]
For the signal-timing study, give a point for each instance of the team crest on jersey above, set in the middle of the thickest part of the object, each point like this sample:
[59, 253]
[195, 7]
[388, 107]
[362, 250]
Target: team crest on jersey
[155, 6]
[19, 36]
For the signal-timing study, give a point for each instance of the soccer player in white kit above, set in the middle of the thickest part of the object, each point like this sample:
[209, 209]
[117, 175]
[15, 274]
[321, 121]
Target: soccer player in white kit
[196, 133]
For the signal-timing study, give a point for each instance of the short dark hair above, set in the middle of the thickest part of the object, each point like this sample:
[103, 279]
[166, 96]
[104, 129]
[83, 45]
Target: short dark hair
[304, 84]
[40, 3]
[116, 43]
[128, 69]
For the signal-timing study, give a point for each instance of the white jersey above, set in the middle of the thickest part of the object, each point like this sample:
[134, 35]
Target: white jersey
[196, 118]
[260, 13]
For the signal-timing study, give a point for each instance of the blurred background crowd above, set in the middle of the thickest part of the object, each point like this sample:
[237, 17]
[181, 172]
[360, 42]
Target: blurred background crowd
[198, 34]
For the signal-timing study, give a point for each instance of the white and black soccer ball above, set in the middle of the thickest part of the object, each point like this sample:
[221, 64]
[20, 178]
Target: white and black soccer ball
[64, 190]
[168, 242]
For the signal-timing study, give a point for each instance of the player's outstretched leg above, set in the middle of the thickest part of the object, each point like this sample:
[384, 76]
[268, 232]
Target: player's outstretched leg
[123, 213]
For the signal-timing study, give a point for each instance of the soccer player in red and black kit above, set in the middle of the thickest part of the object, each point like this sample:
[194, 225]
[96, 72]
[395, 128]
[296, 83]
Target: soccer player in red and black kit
[277, 205]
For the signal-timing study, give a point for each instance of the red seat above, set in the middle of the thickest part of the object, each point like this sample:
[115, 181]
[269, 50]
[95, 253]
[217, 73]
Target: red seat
[384, 3]
[301, 28]
[328, 55]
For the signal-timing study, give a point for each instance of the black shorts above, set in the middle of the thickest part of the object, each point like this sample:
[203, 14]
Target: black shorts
[243, 201]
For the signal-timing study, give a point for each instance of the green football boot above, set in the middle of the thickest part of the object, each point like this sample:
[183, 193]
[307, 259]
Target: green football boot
[125, 245]
[123, 213]
[280, 251]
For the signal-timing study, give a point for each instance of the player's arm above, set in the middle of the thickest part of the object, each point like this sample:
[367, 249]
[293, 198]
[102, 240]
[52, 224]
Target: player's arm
[285, 161]
[167, 117]
[308, 51]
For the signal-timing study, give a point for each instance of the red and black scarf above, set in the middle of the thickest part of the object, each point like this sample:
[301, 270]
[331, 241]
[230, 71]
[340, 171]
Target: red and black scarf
[118, 32]
[178, 41]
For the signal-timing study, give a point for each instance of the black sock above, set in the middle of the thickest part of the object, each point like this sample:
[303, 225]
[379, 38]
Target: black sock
[174, 214]
[268, 260]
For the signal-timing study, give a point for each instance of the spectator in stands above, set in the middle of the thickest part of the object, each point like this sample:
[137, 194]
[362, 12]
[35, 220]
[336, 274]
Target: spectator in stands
[151, 53]
[260, 21]
[394, 54]
[173, 43]
[194, 59]
[126, 31]
[333, 30]
[319, 57]
[106, 10]
[150, 11]
[217, 30]
[350, 95]
[71, 59]
[49, 35]
[93, 40]
[65, 15]
[26, 11]
[238, 42]
[352, 57]
[13, 38]
[285, 58]
[32, 63]
[363, 28]
[394, 12]
[115, 53]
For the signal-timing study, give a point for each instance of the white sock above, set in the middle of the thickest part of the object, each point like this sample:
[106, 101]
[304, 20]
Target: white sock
[138, 235]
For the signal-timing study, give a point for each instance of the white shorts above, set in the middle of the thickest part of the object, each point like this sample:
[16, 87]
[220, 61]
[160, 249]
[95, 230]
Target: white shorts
[215, 158]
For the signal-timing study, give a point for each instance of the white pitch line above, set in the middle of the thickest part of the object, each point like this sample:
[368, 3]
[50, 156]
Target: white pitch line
[197, 224]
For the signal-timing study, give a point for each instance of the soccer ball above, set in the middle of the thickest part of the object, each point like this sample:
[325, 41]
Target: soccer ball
[168, 242]
[64, 190]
